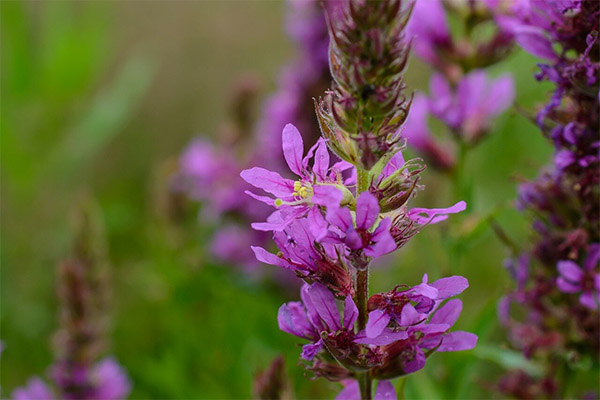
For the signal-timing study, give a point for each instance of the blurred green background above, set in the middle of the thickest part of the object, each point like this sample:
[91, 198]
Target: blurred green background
[97, 96]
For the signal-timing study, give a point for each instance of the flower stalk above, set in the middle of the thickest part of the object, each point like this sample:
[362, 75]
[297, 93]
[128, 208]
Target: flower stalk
[331, 221]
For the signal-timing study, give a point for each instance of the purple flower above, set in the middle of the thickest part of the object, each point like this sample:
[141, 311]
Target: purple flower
[429, 29]
[318, 185]
[112, 382]
[36, 389]
[311, 262]
[385, 391]
[317, 314]
[398, 306]
[417, 328]
[476, 101]
[584, 280]
[358, 235]
[417, 134]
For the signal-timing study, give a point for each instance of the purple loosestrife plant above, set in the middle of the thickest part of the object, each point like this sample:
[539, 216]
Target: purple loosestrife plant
[558, 275]
[334, 219]
[79, 371]
[461, 94]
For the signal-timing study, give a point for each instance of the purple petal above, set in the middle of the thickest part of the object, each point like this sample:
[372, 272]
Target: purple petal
[264, 199]
[503, 90]
[593, 256]
[570, 271]
[350, 392]
[435, 215]
[279, 220]
[318, 226]
[112, 380]
[416, 363]
[450, 286]
[367, 210]
[459, 340]
[264, 256]
[36, 389]
[441, 98]
[590, 299]
[292, 319]
[350, 313]
[340, 217]
[415, 130]
[383, 241]
[293, 147]
[448, 313]
[321, 164]
[409, 315]
[309, 351]
[353, 240]
[566, 286]
[311, 311]
[378, 320]
[386, 337]
[327, 195]
[268, 181]
[425, 290]
[395, 163]
[385, 391]
[324, 302]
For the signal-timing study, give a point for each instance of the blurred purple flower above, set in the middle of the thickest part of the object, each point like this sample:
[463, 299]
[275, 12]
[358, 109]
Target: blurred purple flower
[584, 280]
[36, 389]
[469, 109]
[385, 391]
[112, 382]
[418, 136]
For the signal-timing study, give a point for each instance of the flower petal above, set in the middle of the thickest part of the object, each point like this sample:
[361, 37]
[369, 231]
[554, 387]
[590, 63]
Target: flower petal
[327, 195]
[293, 148]
[324, 303]
[350, 392]
[459, 340]
[309, 351]
[434, 215]
[448, 313]
[450, 286]
[367, 210]
[350, 313]
[386, 337]
[318, 226]
[378, 320]
[321, 163]
[292, 319]
[570, 271]
[385, 391]
[264, 256]
[268, 181]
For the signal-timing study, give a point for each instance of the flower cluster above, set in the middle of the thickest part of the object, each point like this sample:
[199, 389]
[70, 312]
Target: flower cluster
[335, 217]
[558, 278]
[79, 372]
[461, 94]
[209, 173]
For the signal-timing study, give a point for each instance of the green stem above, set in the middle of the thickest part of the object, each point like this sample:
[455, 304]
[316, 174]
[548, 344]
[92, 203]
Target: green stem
[362, 296]
[400, 387]
[362, 292]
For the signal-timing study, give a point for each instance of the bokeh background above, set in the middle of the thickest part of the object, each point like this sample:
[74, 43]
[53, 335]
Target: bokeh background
[99, 99]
